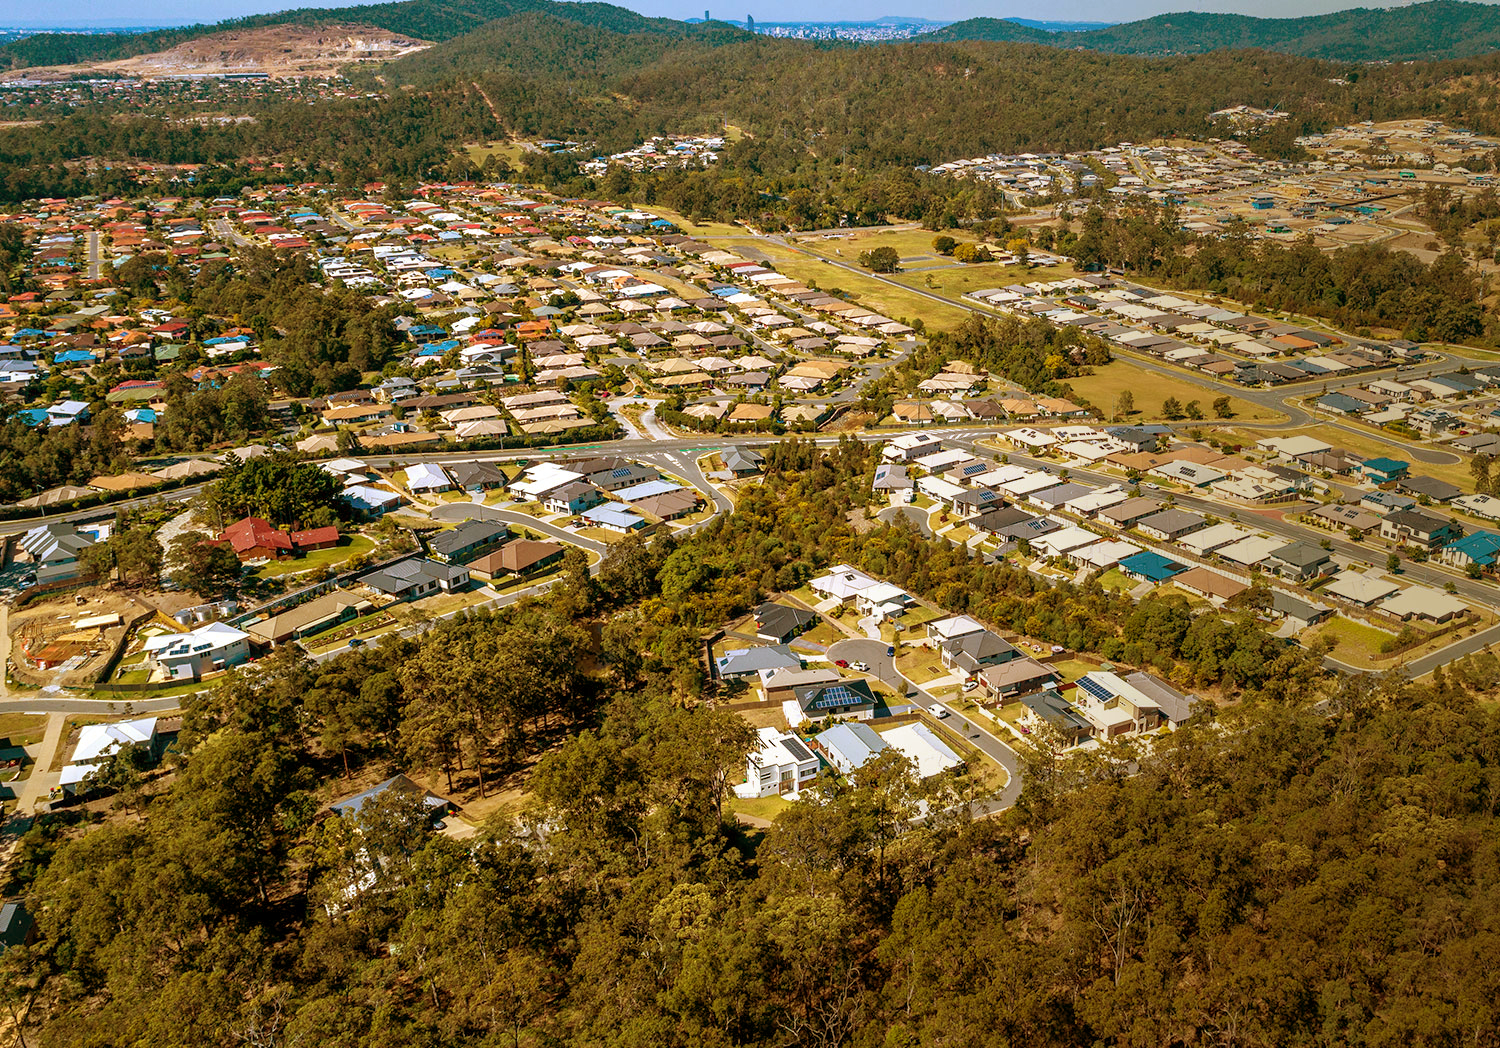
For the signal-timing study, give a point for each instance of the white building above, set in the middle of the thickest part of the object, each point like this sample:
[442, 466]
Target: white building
[782, 765]
[210, 647]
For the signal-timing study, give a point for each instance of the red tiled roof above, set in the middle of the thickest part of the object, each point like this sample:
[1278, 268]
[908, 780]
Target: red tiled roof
[253, 532]
[315, 536]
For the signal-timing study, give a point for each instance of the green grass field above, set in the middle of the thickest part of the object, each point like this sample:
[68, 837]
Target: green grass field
[889, 299]
[348, 546]
[1151, 390]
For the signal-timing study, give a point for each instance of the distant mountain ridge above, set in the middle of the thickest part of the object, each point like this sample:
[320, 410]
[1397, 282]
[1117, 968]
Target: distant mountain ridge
[1435, 29]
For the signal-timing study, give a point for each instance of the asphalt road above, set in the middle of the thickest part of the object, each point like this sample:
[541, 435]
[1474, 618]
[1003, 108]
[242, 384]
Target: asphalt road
[990, 744]
[915, 514]
[453, 512]
[872, 653]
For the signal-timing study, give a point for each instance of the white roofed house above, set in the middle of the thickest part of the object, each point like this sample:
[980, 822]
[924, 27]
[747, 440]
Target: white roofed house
[884, 601]
[782, 765]
[427, 476]
[188, 656]
[98, 743]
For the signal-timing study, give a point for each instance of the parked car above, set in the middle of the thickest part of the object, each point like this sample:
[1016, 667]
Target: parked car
[842, 664]
[970, 685]
[863, 667]
[890, 649]
[937, 711]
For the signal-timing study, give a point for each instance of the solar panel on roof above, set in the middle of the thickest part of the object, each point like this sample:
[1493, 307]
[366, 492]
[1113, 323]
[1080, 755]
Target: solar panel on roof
[620, 471]
[1095, 689]
[838, 695]
[796, 749]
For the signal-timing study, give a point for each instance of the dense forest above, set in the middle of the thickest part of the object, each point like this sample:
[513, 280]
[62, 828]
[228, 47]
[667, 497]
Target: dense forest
[860, 109]
[1284, 872]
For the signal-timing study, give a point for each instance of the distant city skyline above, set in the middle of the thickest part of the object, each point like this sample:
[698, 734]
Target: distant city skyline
[120, 13]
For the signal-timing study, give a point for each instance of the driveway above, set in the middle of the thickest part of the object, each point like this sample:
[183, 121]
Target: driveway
[871, 652]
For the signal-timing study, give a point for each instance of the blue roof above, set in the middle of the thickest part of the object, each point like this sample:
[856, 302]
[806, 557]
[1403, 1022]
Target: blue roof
[1481, 546]
[74, 356]
[437, 349]
[1151, 565]
[1384, 465]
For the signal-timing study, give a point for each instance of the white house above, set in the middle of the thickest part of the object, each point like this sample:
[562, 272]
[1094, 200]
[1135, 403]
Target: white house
[928, 754]
[427, 476]
[782, 765]
[186, 656]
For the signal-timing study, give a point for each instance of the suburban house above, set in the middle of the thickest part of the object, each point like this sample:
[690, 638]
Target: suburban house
[518, 557]
[750, 662]
[416, 578]
[255, 539]
[1004, 682]
[1048, 706]
[1301, 561]
[54, 549]
[427, 476]
[97, 743]
[1412, 527]
[1383, 470]
[304, 620]
[1480, 547]
[1115, 705]
[1170, 524]
[972, 652]
[850, 747]
[1300, 613]
[779, 623]
[468, 541]
[927, 754]
[843, 698]
[782, 765]
[742, 462]
[572, 498]
[476, 476]
[1210, 585]
[188, 656]
[368, 502]
[352, 805]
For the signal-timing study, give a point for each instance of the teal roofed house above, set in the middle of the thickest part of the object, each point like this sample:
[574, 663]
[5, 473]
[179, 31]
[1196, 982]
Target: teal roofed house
[1482, 548]
[1383, 470]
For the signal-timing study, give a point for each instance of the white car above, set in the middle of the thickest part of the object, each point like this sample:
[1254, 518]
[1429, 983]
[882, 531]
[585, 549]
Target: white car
[937, 711]
[863, 667]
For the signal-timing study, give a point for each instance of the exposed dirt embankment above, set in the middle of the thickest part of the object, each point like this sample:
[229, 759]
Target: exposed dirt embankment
[278, 51]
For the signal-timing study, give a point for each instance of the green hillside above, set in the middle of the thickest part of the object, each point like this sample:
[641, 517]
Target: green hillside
[1433, 30]
[426, 19]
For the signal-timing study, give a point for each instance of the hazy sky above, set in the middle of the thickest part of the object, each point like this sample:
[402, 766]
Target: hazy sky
[172, 12]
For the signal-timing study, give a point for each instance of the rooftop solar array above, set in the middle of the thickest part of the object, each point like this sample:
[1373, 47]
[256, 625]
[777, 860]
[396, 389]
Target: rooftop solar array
[838, 695]
[1095, 689]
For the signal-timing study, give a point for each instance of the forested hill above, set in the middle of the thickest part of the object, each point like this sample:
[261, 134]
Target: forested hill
[424, 19]
[1437, 29]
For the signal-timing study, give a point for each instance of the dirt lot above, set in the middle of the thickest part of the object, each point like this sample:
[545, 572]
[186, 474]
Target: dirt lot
[277, 51]
[47, 647]
[46, 631]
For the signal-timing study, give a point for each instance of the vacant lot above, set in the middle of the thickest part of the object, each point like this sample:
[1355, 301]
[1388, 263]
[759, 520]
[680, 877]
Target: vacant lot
[1151, 389]
[888, 298]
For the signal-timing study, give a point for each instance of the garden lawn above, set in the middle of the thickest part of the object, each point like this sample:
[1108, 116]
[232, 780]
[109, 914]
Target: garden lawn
[1357, 643]
[349, 546]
